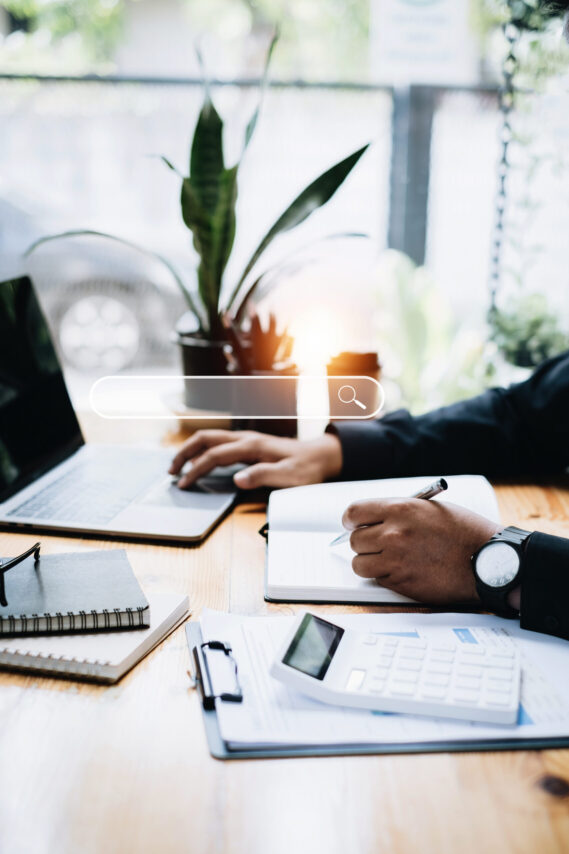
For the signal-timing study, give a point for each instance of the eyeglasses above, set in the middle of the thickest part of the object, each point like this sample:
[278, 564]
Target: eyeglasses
[10, 564]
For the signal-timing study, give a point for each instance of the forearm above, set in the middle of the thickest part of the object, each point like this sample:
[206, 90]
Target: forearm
[478, 436]
[520, 430]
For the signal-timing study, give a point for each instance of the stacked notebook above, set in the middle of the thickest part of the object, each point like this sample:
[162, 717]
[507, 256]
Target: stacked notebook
[73, 592]
[67, 615]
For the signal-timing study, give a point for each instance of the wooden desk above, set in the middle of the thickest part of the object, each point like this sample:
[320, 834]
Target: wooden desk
[126, 768]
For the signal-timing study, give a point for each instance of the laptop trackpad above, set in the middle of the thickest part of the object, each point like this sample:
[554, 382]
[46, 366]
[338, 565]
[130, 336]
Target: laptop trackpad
[167, 494]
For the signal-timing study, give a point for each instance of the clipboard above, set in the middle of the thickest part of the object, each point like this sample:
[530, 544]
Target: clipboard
[210, 693]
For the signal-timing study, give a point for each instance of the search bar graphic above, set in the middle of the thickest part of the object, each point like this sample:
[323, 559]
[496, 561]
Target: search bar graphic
[347, 394]
[221, 397]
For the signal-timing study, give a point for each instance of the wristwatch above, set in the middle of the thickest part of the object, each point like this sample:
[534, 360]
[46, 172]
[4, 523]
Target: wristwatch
[498, 569]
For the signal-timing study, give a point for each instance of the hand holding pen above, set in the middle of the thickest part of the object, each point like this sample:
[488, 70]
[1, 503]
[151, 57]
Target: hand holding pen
[427, 492]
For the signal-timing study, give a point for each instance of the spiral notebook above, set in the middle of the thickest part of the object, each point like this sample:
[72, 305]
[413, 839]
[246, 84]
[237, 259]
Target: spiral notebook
[96, 656]
[73, 592]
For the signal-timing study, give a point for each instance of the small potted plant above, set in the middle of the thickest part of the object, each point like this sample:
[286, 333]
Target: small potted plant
[262, 351]
[208, 196]
[208, 205]
[527, 331]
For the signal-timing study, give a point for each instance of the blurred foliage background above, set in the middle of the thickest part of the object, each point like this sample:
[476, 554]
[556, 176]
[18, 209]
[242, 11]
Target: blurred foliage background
[318, 40]
[430, 323]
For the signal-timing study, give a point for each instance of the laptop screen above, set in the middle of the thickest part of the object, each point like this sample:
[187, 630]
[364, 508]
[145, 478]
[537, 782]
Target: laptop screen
[38, 427]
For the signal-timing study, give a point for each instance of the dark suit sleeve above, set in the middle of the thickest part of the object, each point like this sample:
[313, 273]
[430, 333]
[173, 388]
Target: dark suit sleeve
[523, 429]
[545, 585]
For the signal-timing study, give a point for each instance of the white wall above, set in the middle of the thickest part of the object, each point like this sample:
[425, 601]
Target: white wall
[158, 40]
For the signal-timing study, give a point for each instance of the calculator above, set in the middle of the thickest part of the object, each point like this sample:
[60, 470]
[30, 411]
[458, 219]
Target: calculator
[392, 673]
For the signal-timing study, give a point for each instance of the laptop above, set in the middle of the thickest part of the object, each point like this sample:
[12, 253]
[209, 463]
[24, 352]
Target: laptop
[50, 479]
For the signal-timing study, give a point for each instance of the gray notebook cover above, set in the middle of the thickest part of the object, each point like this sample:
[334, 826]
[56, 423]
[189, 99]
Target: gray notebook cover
[73, 592]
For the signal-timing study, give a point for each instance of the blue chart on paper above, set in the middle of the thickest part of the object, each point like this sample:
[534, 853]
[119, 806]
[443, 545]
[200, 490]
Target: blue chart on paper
[465, 636]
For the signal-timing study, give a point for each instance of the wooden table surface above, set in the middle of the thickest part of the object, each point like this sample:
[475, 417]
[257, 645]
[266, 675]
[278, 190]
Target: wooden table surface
[126, 768]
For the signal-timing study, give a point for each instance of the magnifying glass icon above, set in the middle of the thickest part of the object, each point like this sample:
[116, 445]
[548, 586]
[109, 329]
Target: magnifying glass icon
[347, 394]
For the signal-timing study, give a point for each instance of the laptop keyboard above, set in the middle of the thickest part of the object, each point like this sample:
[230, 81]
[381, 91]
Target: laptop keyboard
[95, 490]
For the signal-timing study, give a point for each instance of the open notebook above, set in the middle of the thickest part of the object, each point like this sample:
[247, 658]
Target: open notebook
[301, 566]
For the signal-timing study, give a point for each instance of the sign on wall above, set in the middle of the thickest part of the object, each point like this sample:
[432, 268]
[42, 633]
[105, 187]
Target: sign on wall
[422, 41]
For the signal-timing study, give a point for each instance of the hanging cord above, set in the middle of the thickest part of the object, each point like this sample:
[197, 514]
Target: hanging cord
[506, 101]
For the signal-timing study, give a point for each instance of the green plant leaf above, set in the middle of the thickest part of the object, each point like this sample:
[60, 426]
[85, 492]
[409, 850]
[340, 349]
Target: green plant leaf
[91, 233]
[169, 164]
[213, 234]
[223, 226]
[208, 206]
[252, 123]
[206, 156]
[313, 197]
[200, 224]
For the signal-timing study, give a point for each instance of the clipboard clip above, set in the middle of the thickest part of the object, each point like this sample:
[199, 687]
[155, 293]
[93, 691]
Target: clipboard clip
[204, 657]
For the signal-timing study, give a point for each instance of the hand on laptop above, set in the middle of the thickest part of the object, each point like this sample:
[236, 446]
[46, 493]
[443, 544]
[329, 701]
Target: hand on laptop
[420, 549]
[273, 461]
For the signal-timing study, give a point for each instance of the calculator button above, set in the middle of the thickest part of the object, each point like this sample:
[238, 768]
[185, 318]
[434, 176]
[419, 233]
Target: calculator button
[407, 652]
[408, 676]
[414, 643]
[436, 679]
[499, 687]
[501, 675]
[473, 650]
[401, 689]
[435, 667]
[466, 697]
[504, 663]
[470, 669]
[497, 700]
[468, 682]
[442, 656]
[504, 653]
[433, 692]
[409, 664]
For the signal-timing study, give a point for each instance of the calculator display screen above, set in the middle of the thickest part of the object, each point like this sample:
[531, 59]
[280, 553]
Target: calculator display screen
[313, 646]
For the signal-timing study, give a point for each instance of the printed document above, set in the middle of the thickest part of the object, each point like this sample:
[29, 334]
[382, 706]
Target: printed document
[272, 714]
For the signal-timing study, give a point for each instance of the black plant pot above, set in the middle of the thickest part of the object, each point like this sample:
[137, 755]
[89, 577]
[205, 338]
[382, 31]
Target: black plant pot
[202, 358]
[260, 400]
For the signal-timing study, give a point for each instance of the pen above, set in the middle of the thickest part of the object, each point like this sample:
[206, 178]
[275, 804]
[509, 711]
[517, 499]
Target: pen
[427, 492]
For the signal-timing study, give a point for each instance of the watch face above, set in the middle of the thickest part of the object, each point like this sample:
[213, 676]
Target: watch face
[497, 564]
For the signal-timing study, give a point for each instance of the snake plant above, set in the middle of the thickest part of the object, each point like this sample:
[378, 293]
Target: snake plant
[208, 198]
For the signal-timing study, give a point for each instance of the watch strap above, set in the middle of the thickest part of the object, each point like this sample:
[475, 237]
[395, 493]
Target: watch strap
[512, 535]
[496, 598]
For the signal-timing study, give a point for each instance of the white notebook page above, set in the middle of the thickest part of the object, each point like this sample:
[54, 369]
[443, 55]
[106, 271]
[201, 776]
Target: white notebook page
[302, 566]
[320, 507]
